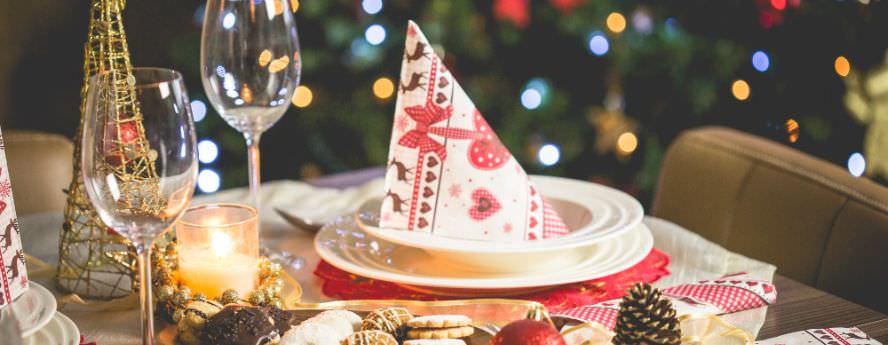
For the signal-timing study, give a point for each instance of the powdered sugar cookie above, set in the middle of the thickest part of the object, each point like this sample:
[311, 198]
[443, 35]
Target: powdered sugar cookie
[311, 333]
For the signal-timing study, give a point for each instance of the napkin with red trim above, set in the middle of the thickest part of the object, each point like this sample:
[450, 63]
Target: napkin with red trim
[448, 173]
[728, 294]
[826, 336]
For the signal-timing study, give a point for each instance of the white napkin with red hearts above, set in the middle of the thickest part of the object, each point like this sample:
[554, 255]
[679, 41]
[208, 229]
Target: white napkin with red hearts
[825, 336]
[448, 173]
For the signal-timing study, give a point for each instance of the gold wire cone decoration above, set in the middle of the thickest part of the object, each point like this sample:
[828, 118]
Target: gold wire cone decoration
[95, 262]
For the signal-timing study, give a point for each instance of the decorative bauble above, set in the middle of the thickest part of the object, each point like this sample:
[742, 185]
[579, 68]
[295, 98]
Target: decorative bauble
[165, 293]
[528, 332]
[229, 296]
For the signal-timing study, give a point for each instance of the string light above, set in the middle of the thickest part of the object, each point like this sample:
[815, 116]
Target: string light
[302, 96]
[375, 34]
[598, 44]
[760, 61]
[207, 151]
[208, 181]
[383, 88]
[549, 154]
[198, 110]
[856, 164]
[627, 143]
[531, 99]
[616, 22]
[842, 66]
[740, 89]
[371, 6]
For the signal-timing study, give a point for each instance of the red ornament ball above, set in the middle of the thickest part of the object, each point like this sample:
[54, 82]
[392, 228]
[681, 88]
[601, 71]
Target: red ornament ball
[528, 332]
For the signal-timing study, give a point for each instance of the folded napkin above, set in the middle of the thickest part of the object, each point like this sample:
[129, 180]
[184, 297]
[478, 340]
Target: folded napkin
[13, 275]
[448, 173]
[728, 294]
[826, 336]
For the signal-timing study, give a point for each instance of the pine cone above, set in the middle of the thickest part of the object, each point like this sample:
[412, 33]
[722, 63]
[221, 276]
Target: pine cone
[646, 319]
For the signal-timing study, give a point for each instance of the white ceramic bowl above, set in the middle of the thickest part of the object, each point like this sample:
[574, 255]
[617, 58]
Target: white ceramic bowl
[591, 211]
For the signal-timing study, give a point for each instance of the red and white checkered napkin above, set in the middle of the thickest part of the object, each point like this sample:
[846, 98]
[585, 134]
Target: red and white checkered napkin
[724, 295]
[448, 173]
[826, 336]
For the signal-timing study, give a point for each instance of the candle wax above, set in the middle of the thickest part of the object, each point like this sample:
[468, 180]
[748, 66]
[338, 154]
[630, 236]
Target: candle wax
[204, 271]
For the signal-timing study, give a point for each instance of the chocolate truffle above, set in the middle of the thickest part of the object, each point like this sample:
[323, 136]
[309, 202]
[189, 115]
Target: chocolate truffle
[241, 325]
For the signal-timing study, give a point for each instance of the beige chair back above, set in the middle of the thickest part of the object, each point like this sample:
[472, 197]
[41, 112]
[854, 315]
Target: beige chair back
[40, 166]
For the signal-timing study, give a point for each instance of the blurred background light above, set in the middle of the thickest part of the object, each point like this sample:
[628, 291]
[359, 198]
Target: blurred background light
[228, 20]
[598, 44]
[627, 143]
[842, 66]
[740, 89]
[207, 151]
[856, 164]
[531, 99]
[549, 154]
[371, 6]
[208, 181]
[198, 110]
[760, 61]
[616, 22]
[383, 88]
[302, 96]
[375, 34]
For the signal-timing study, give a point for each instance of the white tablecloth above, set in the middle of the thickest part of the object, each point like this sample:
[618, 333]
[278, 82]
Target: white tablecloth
[692, 257]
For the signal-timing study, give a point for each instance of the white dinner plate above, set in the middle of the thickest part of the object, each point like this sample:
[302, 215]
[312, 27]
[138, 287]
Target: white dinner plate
[33, 309]
[346, 246]
[590, 211]
[59, 331]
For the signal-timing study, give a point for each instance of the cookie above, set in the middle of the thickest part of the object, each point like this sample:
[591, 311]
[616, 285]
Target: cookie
[237, 324]
[193, 320]
[440, 333]
[439, 321]
[435, 342]
[311, 333]
[372, 337]
[389, 320]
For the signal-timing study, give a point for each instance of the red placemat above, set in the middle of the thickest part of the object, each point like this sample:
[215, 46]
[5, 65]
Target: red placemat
[343, 285]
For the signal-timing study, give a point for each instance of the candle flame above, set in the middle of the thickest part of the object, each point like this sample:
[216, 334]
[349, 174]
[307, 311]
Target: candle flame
[222, 244]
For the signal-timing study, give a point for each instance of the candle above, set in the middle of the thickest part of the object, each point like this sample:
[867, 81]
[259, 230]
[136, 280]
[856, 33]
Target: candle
[218, 249]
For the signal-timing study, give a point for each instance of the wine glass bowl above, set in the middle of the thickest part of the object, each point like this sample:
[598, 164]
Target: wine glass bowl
[139, 160]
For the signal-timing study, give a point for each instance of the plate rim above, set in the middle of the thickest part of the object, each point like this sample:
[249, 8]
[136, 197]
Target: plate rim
[476, 283]
[453, 245]
[40, 289]
[65, 326]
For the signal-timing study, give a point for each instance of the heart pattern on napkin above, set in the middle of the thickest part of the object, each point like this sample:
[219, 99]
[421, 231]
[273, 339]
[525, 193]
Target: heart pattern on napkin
[484, 204]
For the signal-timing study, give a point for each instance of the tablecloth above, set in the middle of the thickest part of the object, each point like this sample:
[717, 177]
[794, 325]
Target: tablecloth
[692, 257]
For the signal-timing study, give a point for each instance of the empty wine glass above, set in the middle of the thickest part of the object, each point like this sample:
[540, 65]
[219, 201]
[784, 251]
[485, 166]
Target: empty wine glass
[250, 67]
[139, 160]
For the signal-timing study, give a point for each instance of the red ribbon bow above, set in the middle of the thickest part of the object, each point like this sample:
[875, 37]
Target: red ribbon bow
[425, 116]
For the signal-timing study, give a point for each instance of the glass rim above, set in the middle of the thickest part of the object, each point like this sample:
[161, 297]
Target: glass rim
[174, 76]
[254, 215]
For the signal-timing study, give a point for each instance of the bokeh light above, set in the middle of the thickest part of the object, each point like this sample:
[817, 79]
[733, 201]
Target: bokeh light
[208, 181]
[598, 44]
[842, 66]
[198, 110]
[792, 130]
[616, 22]
[740, 89]
[642, 22]
[531, 99]
[228, 20]
[856, 164]
[549, 154]
[779, 5]
[371, 6]
[627, 143]
[207, 151]
[760, 61]
[383, 88]
[302, 96]
[375, 34]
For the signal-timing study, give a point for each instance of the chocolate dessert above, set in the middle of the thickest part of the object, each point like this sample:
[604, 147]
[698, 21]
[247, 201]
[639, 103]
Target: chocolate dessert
[241, 325]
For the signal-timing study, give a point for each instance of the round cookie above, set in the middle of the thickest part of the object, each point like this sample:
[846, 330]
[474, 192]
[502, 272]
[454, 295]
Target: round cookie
[372, 337]
[440, 333]
[434, 342]
[311, 333]
[439, 321]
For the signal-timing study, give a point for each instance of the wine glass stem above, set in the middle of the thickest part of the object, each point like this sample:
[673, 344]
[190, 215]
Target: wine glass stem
[253, 158]
[145, 300]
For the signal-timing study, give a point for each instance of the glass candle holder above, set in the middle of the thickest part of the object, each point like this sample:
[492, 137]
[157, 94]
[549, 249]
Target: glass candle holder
[219, 249]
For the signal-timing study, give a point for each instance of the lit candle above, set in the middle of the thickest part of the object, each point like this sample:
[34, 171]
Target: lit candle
[218, 249]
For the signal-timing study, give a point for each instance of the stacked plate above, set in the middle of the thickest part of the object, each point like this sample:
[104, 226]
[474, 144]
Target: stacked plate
[607, 236]
[39, 322]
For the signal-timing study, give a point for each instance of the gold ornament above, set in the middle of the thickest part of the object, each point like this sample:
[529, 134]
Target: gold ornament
[646, 318]
[867, 100]
[95, 262]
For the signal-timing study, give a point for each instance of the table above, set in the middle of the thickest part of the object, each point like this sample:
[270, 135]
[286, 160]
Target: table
[802, 307]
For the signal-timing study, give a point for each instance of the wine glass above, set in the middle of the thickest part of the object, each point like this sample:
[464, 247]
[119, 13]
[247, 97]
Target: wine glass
[139, 160]
[250, 67]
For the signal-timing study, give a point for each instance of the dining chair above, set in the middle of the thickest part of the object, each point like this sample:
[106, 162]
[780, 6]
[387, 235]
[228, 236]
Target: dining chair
[40, 167]
[812, 219]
